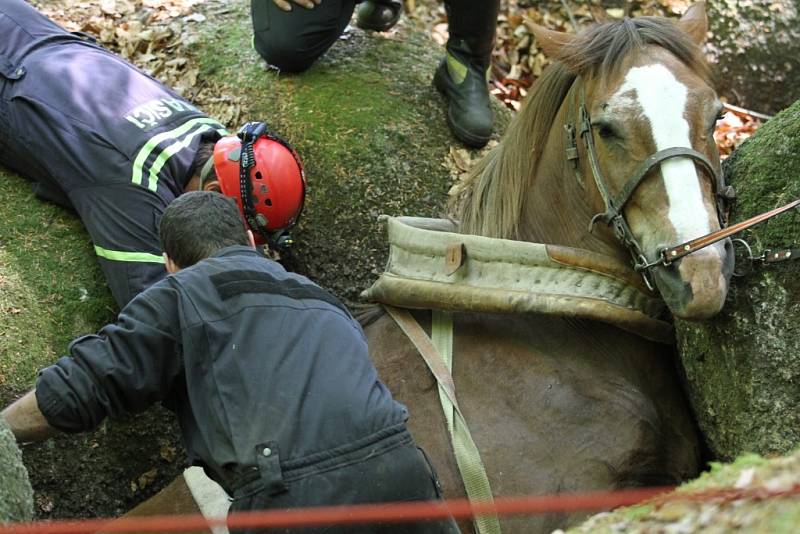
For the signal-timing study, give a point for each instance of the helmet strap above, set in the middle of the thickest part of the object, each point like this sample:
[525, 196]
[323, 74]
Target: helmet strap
[249, 134]
[208, 166]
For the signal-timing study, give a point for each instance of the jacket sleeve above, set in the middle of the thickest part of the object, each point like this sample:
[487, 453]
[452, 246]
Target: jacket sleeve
[126, 367]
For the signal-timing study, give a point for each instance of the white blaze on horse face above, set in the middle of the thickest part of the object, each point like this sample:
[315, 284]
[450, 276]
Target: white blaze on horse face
[662, 99]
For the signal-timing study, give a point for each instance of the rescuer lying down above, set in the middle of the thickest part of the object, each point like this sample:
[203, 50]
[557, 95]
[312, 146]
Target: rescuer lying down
[95, 134]
[268, 373]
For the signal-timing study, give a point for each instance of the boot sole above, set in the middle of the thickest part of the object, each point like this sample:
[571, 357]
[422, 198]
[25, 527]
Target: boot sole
[469, 139]
[380, 28]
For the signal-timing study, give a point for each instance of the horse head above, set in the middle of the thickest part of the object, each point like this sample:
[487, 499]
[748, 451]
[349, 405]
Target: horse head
[618, 131]
[648, 116]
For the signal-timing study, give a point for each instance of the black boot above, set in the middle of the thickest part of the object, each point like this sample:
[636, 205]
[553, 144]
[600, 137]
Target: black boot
[462, 79]
[378, 15]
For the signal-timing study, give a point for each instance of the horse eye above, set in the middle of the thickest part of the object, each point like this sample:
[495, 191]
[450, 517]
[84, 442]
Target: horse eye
[606, 131]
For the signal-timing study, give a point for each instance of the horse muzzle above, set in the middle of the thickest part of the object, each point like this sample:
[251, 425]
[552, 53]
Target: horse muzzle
[695, 286]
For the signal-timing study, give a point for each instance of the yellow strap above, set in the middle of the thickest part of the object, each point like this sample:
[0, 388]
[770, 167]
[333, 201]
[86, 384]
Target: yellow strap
[435, 352]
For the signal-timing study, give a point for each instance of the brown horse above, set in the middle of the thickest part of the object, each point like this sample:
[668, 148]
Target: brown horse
[561, 404]
[557, 404]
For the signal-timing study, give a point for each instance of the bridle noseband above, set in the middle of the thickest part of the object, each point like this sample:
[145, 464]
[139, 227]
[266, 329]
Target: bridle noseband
[614, 204]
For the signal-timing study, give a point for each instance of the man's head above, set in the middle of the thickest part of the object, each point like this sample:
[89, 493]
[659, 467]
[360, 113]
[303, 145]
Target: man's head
[198, 224]
[261, 172]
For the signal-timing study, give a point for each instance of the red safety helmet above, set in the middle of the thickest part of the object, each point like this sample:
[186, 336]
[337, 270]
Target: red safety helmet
[265, 177]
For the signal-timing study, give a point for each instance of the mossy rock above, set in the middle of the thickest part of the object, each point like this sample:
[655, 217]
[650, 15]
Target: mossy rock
[755, 48]
[751, 473]
[743, 366]
[16, 495]
[369, 126]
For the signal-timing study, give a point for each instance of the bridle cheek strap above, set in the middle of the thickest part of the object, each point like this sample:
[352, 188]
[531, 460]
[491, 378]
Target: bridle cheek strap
[614, 217]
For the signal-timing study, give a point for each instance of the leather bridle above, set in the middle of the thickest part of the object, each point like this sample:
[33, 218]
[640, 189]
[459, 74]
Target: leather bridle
[615, 203]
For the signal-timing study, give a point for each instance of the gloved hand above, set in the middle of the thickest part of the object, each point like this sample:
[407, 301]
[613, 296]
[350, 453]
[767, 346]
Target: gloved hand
[286, 5]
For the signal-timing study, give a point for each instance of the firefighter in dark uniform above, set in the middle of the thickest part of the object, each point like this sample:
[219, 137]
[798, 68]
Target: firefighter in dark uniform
[292, 34]
[269, 374]
[95, 134]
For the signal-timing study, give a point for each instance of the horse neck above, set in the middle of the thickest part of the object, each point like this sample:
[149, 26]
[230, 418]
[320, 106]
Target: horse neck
[559, 204]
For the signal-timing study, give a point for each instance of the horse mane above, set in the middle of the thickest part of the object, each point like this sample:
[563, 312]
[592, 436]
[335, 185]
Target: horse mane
[491, 201]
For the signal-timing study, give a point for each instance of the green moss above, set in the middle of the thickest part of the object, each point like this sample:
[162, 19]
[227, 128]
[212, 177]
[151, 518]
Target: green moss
[748, 472]
[370, 128]
[52, 286]
[764, 172]
[754, 46]
[743, 367]
[722, 475]
[370, 149]
[632, 513]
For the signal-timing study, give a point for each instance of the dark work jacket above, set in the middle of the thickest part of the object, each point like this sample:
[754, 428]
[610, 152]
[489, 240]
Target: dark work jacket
[247, 354]
[98, 135]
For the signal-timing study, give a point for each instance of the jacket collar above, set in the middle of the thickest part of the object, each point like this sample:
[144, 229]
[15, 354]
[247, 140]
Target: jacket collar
[236, 250]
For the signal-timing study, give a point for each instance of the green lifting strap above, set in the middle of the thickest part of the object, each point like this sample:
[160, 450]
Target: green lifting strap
[436, 351]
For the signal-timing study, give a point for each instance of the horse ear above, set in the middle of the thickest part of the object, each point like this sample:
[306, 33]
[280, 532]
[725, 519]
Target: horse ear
[551, 42]
[695, 22]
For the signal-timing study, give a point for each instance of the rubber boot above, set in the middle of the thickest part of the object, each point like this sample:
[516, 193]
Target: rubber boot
[378, 15]
[462, 79]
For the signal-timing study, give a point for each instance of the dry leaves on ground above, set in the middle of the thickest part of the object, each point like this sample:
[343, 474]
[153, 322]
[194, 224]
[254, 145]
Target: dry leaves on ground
[157, 36]
[735, 127]
[517, 61]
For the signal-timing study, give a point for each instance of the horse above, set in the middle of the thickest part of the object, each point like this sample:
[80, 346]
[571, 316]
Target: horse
[557, 403]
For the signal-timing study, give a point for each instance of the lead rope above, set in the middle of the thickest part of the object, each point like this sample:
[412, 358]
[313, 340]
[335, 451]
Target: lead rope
[437, 351]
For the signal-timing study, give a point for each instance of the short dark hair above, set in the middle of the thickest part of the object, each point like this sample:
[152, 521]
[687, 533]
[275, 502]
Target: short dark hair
[199, 223]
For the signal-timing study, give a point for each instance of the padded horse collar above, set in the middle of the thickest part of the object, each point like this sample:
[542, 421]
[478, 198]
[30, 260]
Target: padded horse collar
[614, 204]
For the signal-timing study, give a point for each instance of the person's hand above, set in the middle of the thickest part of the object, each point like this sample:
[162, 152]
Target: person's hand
[286, 5]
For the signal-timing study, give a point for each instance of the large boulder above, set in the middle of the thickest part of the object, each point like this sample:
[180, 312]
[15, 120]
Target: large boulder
[743, 367]
[16, 496]
[756, 51]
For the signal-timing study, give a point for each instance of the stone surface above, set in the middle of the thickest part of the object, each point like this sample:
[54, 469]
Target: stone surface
[750, 474]
[743, 366]
[756, 50]
[16, 495]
